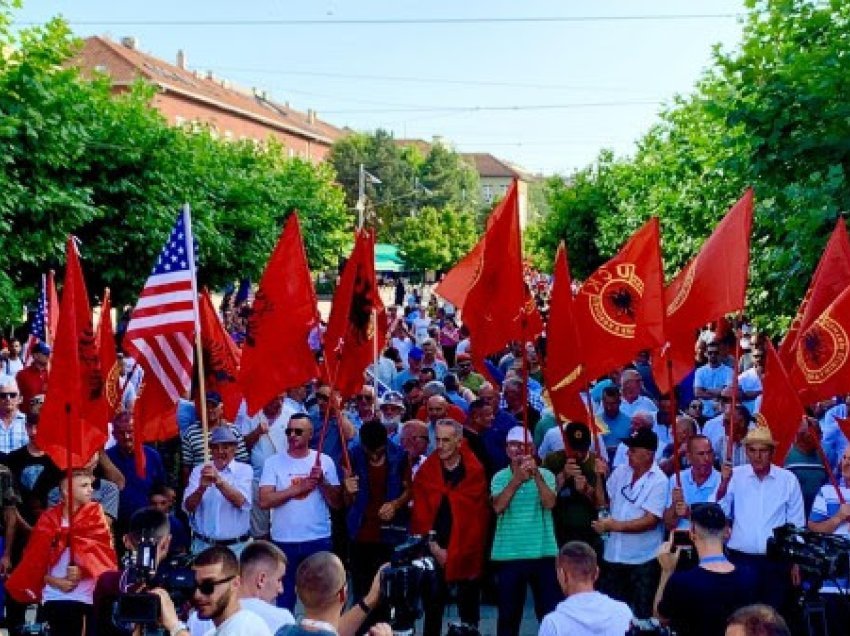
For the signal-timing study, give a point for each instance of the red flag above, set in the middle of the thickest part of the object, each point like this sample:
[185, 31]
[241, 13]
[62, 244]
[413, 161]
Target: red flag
[221, 357]
[455, 284]
[822, 362]
[620, 307]
[711, 285]
[52, 307]
[497, 306]
[831, 277]
[844, 425]
[105, 339]
[352, 329]
[781, 409]
[276, 355]
[73, 419]
[564, 369]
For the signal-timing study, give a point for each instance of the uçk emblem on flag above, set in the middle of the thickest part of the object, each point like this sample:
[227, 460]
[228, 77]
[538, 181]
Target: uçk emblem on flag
[162, 329]
[824, 350]
[613, 297]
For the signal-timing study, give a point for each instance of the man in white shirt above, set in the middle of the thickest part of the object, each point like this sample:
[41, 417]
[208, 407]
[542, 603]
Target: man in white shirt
[638, 493]
[300, 487]
[584, 611]
[218, 497]
[216, 598]
[710, 378]
[640, 419]
[261, 569]
[759, 497]
[632, 400]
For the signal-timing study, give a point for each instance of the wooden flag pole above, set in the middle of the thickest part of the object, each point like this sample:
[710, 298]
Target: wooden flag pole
[734, 404]
[677, 468]
[69, 498]
[829, 472]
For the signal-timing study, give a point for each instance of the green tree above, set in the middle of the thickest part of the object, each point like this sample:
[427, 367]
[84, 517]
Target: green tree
[77, 159]
[435, 239]
[770, 114]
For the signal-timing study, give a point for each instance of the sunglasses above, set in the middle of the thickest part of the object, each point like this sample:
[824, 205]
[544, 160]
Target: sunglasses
[365, 398]
[696, 405]
[322, 396]
[298, 432]
[10, 395]
[207, 586]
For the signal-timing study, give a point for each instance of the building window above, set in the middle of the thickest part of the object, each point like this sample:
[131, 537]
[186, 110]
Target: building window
[488, 193]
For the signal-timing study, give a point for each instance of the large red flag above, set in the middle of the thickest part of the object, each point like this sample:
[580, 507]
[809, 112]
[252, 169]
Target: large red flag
[821, 367]
[620, 307]
[276, 355]
[781, 409]
[357, 318]
[455, 284]
[711, 285]
[565, 378]
[221, 357]
[497, 307]
[105, 339]
[73, 420]
[831, 277]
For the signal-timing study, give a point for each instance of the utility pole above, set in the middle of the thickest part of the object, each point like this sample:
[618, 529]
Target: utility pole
[360, 206]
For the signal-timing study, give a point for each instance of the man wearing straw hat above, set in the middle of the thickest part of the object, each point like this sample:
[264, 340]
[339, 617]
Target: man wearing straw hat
[759, 497]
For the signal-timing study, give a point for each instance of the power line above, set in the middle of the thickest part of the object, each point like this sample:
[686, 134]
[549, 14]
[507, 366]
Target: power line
[265, 22]
[474, 109]
[412, 79]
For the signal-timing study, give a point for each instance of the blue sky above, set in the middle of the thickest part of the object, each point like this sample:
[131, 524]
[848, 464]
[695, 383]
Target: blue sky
[545, 94]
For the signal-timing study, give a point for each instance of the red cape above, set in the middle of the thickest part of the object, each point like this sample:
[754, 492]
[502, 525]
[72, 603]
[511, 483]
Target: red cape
[471, 515]
[91, 545]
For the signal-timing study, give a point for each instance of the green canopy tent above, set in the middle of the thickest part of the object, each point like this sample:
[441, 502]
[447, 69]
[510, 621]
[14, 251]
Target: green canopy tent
[387, 259]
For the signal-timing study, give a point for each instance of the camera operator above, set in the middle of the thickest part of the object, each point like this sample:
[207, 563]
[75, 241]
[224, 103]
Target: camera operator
[216, 598]
[698, 601]
[323, 591]
[151, 524]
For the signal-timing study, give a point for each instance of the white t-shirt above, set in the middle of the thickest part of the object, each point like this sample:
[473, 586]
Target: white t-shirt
[307, 517]
[420, 329]
[84, 591]
[242, 623]
[274, 617]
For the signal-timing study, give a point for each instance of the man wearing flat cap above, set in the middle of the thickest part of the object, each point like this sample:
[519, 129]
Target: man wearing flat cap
[637, 492]
[759, 497]
[218, 497]
[697, 601]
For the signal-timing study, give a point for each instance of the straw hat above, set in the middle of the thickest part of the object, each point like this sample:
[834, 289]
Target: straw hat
[759, 435]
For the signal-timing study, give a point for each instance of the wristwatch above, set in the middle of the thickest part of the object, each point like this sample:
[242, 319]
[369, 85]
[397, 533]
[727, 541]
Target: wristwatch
[179, 627]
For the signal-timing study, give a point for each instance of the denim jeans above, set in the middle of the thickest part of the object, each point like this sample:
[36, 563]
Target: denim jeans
[295, 553]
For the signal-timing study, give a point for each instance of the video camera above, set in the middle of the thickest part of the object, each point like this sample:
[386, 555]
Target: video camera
[819, 555]
[648, 627]
[141, 573]
[410, 571]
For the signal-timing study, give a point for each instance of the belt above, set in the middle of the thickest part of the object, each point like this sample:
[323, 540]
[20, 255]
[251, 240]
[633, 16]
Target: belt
[224, 542]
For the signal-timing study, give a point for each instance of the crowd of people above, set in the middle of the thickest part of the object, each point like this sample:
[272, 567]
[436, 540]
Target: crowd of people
[605, 521]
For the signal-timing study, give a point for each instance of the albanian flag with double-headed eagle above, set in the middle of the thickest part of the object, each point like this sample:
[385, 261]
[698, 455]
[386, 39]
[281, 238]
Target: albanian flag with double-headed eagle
[357, 325]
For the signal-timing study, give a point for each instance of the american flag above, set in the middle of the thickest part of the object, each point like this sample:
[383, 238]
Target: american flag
[39, 320]
[162, 328]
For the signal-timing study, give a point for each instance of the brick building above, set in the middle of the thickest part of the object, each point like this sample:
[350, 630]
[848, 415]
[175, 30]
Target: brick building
[187, 98]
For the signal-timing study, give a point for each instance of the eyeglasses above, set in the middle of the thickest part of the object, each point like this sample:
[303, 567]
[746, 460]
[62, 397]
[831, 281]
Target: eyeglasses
[322, 396]
[298, 432]
[725, 400]
[696, 405]
[207, 586]
[10, 395]
[365, 398]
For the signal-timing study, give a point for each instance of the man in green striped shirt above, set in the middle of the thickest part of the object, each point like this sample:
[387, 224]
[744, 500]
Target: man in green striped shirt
[524, 546]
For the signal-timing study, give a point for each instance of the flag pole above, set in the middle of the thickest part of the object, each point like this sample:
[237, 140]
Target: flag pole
[375, 352]
[734, 404]
[199, 357]
[591, 424]
[829, 472]
[69, 499]
[677, 467]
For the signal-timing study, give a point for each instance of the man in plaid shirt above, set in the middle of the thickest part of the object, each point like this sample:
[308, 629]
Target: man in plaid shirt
[13, 423]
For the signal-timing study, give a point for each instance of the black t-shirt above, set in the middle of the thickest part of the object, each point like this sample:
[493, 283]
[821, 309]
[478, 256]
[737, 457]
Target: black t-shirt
[443, 520]
[698, 602]
[34, 478]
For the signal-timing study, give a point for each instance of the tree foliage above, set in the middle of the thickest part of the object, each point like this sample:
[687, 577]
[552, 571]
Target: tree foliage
[771, 114]
[409, 180]
[76, 159]
[435, 239]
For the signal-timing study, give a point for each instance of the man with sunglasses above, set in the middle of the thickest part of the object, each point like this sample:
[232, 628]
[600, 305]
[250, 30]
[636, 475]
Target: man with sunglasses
[216, 598]
[299, 486]
[637, 492]
[13, 422]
